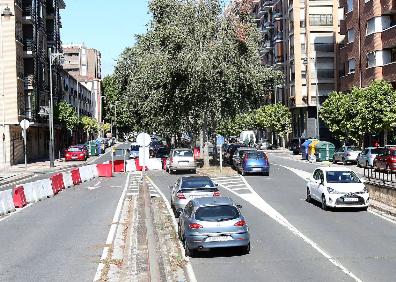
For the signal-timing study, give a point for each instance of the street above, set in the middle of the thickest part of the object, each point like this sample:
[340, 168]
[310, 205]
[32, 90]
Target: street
[293, 240]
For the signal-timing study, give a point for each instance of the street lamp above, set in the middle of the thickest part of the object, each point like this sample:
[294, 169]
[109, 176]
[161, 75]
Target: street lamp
[6, 14]
[52, 58]
[115, 121]
[305, 62]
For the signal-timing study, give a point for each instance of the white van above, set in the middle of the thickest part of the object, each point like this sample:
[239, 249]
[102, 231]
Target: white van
[247, 135]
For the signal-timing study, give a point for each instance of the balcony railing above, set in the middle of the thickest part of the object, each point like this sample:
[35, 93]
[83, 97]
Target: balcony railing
[27, 11]
[267, 5]
[29, 81]
[28, 45]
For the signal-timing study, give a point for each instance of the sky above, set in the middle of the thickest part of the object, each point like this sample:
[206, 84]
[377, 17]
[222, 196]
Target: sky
[108, 26]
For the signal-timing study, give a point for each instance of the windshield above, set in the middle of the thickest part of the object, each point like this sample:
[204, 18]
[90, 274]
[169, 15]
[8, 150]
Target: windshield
[197, 182]
[352, 148]
[255, 155]
[342, 177]
[186, 153]
[134, 148]
[217, 213]
[74, 149]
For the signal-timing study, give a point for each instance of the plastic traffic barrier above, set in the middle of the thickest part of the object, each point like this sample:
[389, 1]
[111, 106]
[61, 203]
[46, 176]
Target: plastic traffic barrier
[45, 188]
[18, 196]
[130, 165]
[67, 179]
[6, 202]
[83, 173]
[154, 164]
[119, 166]
[104, 170]
[31, 194]
[75, 173]
[138, 166]
[164, 163]
[57, 183]
[94, 171]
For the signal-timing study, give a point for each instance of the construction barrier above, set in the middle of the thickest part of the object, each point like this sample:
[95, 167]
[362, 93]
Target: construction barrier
[119, 166]
[94, 171]
[75, 173]
[31, 192]
[164, 163]
[137, 165]
[67, 179]
[57, 183]
[85, 173]
[18, 196]
[6, 202]
[154, 164]
[45, 188]
[105, 170]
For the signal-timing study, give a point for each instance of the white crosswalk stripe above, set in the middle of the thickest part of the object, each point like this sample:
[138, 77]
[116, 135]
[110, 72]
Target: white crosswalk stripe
[133, 189]
[234, 183]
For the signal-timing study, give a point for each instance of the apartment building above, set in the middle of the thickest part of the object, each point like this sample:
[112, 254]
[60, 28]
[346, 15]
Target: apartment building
[368, 49]
[299, 38]
[85, 65]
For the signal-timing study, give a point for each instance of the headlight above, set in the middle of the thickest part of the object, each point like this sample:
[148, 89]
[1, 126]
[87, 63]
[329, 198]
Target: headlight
[331, 190]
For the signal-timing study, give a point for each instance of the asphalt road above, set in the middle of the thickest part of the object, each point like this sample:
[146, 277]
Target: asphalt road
[293, 240]
[61, 238]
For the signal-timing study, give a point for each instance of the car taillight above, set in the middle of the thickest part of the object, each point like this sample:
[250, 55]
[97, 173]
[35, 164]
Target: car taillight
[67, 154]
[393, 158]
[216, 194]
[180, 196]
[195, 226]
[82, 154]
[240, 223]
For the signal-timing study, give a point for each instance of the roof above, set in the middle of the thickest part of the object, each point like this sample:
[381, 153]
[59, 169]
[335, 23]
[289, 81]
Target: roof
[213, 201]
[335, 168]
[182, 149]
[195, 177]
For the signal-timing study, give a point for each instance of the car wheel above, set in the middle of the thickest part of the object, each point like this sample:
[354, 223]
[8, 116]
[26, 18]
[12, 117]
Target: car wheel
[364, 208]
[246, 249]
[266, 173]
[194, 171]
[344, 162]
[334, 160]
[187, 251]
[324, 204]
[308, 199]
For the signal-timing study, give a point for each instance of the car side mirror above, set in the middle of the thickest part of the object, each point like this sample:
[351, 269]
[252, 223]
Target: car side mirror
[216, 184]
[239, 206]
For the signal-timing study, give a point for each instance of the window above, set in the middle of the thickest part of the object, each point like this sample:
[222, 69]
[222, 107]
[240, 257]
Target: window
[321, 20]
[371, 60]
[377, 24]
[351, 65]
[351, 35]
[379, 58]
[349, 6]
[324, 47]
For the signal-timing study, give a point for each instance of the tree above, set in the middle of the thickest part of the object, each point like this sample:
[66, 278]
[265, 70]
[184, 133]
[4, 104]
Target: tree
[193, 68]
[65, 114]
[90, 125]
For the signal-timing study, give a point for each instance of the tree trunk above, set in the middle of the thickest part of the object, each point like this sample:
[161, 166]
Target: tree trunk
[385, 137]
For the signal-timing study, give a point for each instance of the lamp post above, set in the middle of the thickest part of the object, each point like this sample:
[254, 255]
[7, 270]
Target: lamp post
[52, 58]
[6, 14]
[305, 62]
[101, 112]
[115, 120]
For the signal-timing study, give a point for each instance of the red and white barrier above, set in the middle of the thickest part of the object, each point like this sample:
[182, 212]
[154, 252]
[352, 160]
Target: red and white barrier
[130, 165]
[67, 179]
[45, 188]
[104, 170]
[18, 196]
[31, 192]
[75, 173]
[94, 171]
[154, 164]
[6, 202]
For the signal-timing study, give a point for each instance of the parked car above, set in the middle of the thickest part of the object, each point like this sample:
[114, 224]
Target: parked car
[295, 145]
[238, 155]
[346, 154]
[190, 187]
[254, 162]
[231, 150]
[265, 145]
[162, 152]
[134, 151]
[386, 160]
[208, 223]
[367, 156]
[181, 159]
[337, 187]
[76, 153]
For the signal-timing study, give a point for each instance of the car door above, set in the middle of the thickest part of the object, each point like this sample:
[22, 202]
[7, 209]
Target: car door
[185, 216]
[363, 157]
[381, 159]
[173, 189]
[314, 185]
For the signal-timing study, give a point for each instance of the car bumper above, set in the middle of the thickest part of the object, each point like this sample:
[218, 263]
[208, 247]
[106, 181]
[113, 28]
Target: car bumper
[350, 159]
[187, 167]
[340, 201]
[256, 169]
[199, 242]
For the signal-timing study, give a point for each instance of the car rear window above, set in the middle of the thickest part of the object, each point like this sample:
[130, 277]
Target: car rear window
[216, 213]
[74, 149]
[377, 151]
[195, 183]
[184, 153]
[135, 148]
[255, 155]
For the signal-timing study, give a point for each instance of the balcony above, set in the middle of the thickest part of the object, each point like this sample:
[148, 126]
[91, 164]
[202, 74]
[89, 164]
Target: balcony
[27, 14]
[267, 5]
[388, 6]
[277, 16]
[29, 82]
[278, 37]
[265, 47]
[388, 37]
[28, 47]
[267, 26]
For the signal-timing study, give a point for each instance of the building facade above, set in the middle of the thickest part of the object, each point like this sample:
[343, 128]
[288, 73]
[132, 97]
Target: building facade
[368, 47]
[85, 65]
[300, 38]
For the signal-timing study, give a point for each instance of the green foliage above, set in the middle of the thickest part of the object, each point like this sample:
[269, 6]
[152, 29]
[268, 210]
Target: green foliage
[90, 125]
[363, 111]
[65, 114]
[193, 68]
[105, 127]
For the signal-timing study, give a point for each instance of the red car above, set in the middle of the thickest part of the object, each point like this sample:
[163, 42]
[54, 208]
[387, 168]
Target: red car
[76, 153]
[387, 160]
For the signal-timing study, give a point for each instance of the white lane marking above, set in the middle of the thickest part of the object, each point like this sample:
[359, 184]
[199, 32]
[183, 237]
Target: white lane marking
[255, 199]
[15, 212]
[303, 175]
[95, 186]
[113, 228]
[188, 266]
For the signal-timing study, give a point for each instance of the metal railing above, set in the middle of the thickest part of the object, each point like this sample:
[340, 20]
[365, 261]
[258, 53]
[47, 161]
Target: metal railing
[384, 176]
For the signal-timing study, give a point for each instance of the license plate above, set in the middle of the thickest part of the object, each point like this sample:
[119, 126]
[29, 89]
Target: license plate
[74, 158]
[351, 199]
[256, 169]
[183, 163]
[219, 239]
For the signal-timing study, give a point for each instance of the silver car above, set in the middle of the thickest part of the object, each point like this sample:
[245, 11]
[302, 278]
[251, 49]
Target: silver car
[238, 155]
[346, 154]
[190, 187]
[208, 223]
[367, 156]
[181, 159]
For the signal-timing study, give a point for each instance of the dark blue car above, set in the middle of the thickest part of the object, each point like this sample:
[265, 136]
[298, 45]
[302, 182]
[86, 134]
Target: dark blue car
[254, 162]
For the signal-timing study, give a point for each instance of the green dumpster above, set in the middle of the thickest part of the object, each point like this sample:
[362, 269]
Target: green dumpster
[324, 151]
[92, 148]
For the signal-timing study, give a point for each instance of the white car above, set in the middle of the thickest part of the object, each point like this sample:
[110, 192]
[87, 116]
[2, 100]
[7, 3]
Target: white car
[337, 187]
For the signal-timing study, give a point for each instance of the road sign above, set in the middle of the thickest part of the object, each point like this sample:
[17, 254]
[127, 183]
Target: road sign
[24, 124]
[143, 139]
[219, 140]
